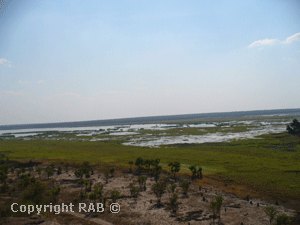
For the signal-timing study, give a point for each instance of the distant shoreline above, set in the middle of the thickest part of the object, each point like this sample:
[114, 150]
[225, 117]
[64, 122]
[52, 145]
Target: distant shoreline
[156, 119]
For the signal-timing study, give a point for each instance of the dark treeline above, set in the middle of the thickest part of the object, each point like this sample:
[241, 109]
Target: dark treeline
[154, 119]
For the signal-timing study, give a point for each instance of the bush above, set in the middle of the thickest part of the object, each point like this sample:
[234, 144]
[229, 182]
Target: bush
[283, 220]
[35, 192]
[271, 213]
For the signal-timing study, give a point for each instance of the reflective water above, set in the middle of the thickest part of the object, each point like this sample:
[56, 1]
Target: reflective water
[136, 135]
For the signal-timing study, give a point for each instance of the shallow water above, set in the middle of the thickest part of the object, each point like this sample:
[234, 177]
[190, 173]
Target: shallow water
[135, 138]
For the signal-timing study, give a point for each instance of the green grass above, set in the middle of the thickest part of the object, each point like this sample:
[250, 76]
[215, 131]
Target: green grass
[266, 164]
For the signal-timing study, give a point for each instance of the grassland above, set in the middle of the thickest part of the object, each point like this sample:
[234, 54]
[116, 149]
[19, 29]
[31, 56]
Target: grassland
[269, 165]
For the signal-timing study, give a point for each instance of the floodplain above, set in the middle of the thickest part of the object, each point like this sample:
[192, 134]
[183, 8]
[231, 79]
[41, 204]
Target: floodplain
[244, 156]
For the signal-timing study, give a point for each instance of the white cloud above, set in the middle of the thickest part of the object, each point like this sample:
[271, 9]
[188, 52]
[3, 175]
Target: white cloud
[295, 37]
[5, 62]
[41, 81]
[22, 82]
[12, 93]
[263, 42]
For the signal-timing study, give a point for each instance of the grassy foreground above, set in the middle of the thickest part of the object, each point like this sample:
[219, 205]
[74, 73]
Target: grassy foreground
[269, 165]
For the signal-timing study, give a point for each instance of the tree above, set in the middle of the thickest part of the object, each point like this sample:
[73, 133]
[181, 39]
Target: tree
[112, 170]
[142, 181]
[173, 202]
[139, 161]
[171, 189]
[39, 170]
[294, 127]
[219, 200]
[114, 195]
[59, 171]
[215, 206]
[159, 189]
[175, 167]
[196, 172]
[271, 213]
[134, 191]
[185, 184]
[3, 176]
[156, 172]
[49, 171]
[55, 192]
[130, 164]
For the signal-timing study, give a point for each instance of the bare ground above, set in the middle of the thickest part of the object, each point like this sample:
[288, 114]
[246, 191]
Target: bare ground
[192, 209]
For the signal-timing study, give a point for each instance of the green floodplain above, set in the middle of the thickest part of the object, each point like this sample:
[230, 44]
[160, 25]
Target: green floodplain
[269, 164]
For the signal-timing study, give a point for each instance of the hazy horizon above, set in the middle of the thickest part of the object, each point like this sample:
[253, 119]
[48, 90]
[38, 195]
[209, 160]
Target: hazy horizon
[63, 61]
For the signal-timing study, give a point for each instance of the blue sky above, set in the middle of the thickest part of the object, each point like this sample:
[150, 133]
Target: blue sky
[87, 60]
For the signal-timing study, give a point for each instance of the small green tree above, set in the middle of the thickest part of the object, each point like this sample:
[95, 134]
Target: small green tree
[92, 196]
[173, 202]
[112, 170]
[142, 182]
[81, 183]
[55, 192]
[139, 161]
[106, 174]
[294, 127]
[213, 207]
[185, 185]
[39, 170]
[219, 200]
[271, 213]
[49, 171]
[59, 170]
[3, 176]
[134, 191]
[130, 165]
[156, 172]
[175, 167]
[171, 189]
[196, 172]
[114, 196]
[159, 189]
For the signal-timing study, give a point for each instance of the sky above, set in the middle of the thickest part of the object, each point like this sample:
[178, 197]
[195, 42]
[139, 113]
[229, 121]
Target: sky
[72, 60]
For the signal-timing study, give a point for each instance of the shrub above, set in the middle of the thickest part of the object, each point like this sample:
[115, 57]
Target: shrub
[34, 192]
[283, 220]
[271, 213]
